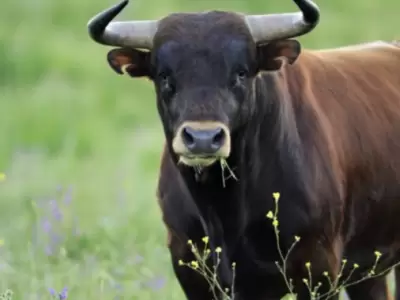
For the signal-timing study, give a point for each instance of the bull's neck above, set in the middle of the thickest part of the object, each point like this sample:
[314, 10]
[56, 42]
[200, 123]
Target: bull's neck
[263, 149]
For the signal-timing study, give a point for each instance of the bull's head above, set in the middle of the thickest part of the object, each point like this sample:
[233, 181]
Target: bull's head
[203, 66]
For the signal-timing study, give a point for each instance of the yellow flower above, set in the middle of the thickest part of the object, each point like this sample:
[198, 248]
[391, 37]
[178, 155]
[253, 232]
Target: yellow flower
[296, 238]
[355, 266]
[378, 254]
[194, 264]
[218, 250]
[205, 239]
[2, 176]
[180, 262]
[276, 196]
[275, 223]
[270, 215]
[308, 265]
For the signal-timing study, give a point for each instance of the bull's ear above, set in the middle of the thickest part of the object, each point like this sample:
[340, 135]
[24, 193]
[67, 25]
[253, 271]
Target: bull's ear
[134, 62]
[270, 55]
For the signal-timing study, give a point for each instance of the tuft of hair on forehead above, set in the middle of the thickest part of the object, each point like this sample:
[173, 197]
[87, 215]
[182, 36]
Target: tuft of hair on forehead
[201, 27]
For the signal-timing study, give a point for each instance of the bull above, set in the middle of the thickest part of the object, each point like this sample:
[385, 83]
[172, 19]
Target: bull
[321, 127]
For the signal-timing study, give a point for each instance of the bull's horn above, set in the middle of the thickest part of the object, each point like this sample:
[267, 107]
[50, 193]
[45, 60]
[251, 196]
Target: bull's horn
[270, 27]
[135, 34]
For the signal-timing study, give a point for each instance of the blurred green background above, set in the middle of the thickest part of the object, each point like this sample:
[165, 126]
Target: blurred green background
[80, 146]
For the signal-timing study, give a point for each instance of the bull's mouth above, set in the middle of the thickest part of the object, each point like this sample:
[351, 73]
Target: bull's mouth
[198, 161]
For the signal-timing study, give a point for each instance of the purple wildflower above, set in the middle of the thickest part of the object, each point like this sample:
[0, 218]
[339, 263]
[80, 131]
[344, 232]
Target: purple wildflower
[46, 225]
[62, 295]
[56, 210]
[156, 283]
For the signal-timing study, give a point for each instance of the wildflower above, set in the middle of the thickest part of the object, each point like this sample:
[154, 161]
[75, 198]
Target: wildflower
[194, 264]
[378, 254]
[355, 266]
[275, 222]
[218, 250]
[205, 239]
[308, 265]
[276, 196]
[156, 283]
[62, 295]
[270, 215]
[180, 262]
[325, 274]
[296, 238]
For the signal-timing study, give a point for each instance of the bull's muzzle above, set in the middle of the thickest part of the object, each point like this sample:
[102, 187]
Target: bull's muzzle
[201, 143]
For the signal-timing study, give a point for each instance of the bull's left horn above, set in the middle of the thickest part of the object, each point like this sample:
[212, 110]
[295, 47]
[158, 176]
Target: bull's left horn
[270, 27]
[135, 34]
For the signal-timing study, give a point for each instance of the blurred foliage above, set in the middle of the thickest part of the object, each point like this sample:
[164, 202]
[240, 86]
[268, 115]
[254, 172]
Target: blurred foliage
[67, 120]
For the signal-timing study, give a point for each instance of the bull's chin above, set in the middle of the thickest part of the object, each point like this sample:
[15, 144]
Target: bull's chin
[198, 162]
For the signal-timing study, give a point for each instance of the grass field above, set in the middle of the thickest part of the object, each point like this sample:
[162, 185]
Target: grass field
[80, 146]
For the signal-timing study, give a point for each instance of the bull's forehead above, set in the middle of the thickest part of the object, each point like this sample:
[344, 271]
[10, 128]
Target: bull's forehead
[200, 28]
[201, 43]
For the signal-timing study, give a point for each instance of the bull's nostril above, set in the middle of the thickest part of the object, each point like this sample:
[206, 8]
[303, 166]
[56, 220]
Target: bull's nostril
[187, 138]
[218, 139]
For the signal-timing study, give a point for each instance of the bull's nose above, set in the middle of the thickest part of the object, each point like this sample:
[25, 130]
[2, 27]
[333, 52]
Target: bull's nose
[203, 141]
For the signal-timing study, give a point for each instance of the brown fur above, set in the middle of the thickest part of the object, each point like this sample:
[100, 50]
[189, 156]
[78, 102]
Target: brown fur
[349, 107]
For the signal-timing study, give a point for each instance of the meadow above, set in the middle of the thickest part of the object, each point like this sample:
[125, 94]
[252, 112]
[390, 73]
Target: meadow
[80, 146]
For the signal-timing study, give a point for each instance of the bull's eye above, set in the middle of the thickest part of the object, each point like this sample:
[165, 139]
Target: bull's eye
[165, 82]
[166, 85]
[241, 74]
[239, 77]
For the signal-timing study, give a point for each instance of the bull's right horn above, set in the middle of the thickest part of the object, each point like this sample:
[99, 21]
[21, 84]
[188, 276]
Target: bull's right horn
[270, 27]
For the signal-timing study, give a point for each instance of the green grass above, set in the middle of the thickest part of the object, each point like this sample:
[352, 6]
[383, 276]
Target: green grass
[67, 120]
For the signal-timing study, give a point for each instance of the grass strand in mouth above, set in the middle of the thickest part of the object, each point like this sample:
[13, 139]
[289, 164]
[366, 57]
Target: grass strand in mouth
[225, 166]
